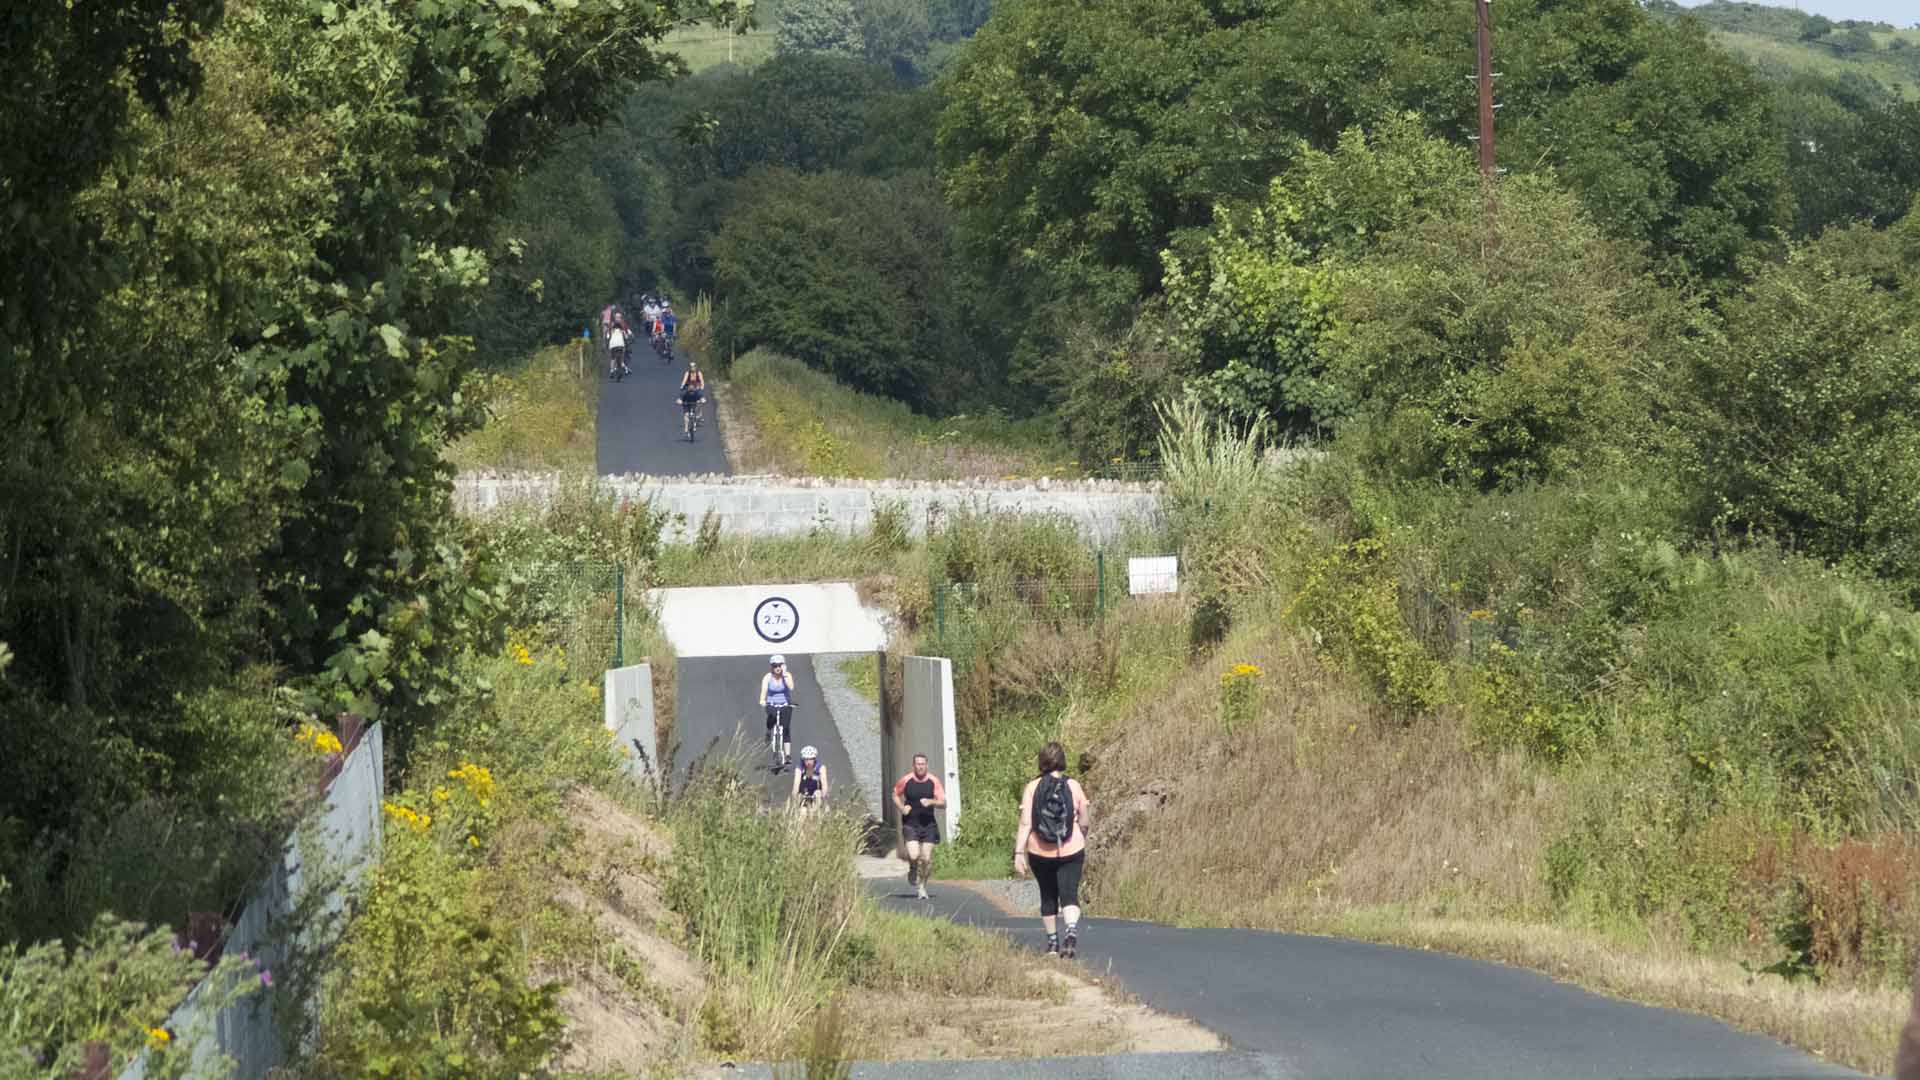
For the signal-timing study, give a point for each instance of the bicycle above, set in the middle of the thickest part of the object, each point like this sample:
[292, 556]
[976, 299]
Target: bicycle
[690, 417]
[779, 726]
[620, 369]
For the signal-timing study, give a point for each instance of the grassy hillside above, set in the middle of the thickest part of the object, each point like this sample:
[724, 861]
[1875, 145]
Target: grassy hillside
[1875, 58]
[703, 46]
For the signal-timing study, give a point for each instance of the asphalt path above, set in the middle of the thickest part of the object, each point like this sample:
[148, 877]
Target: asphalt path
[717, 700]
[638, 430]
[1313, 1007]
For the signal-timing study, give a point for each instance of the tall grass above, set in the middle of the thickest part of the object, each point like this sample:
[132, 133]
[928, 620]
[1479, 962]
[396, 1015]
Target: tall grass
[770, 902]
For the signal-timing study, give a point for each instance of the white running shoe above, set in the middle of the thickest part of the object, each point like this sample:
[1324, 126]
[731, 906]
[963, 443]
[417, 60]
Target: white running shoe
[923, 892]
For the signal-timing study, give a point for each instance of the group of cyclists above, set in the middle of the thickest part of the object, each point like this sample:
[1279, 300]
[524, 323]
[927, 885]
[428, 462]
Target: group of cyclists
[662, 327]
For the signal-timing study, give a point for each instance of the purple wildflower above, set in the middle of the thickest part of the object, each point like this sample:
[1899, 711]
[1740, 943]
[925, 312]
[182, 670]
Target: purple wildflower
[266, 977]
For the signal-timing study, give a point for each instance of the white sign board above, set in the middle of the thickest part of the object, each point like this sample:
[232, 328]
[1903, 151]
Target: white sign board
[1158, 574]
[748, 620]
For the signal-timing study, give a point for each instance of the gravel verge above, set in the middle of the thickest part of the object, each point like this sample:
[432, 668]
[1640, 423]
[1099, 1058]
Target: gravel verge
[858, 721]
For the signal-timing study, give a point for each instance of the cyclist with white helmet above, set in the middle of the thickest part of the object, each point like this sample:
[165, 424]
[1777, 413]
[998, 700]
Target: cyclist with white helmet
[810, 781]
[776, 696]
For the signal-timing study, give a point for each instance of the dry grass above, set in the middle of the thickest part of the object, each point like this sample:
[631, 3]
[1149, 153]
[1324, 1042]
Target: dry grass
[1396, 832]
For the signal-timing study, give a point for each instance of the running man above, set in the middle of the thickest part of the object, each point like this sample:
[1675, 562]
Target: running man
[1052, 840]
[776, 696]
[810, 782]
[917, 795]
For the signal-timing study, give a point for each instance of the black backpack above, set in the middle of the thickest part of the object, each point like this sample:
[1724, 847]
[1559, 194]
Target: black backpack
[1053, 810]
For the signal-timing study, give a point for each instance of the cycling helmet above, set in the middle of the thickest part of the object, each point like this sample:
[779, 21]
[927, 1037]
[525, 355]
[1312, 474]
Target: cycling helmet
[776, 658]
[808, 753]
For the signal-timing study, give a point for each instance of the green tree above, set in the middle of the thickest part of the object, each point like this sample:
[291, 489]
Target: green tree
[831, 27]
[848, 274]
[797, 111]
[1498, 368]
[1253, 307]
[1806, 410]
[894, 32]
[224, 416]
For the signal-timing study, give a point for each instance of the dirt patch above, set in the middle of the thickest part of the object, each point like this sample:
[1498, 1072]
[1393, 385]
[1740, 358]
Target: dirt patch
[1080, 1016]
[739, 438]
[633, 997]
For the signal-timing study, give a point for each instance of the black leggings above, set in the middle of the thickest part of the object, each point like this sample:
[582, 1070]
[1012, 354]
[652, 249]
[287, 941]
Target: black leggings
[1059, 880]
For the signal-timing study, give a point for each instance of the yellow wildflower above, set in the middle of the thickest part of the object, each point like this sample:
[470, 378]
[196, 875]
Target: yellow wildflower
[319, 738]
[1239, 672]
[477, 778]
[441, 794]
[408, 816]
[1479, 613]
[158, 1037]
[472, 840]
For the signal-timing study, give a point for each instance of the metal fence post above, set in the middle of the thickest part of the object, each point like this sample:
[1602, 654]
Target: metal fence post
[619, 616]
[940, 613]
[1100, 584]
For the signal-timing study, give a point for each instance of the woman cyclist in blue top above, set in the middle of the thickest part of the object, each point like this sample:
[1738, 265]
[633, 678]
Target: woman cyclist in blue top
[776, 696]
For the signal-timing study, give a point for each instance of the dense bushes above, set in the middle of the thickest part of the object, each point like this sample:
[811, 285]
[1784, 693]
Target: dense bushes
[847, 274]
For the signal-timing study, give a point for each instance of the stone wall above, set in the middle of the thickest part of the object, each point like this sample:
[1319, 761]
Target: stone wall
[778, 506]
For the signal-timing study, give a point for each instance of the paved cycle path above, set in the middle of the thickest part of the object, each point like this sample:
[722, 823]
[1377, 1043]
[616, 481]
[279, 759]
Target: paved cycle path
[638, 429]
[717, 699]
[1313, 1007]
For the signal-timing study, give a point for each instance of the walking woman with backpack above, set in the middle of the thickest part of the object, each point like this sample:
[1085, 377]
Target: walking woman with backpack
[1052, 840]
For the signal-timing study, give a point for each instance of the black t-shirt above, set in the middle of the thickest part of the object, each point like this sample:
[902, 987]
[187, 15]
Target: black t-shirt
[915, 794]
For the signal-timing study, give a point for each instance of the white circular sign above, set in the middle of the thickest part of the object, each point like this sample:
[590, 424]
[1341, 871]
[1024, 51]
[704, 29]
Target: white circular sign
[776, 619]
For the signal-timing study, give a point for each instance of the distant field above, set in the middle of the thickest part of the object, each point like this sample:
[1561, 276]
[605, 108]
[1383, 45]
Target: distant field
[703, 47]
[1890, 69]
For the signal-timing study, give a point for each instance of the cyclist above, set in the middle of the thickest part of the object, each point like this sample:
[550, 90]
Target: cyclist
[670, 320]
[776, 696]
[810, 781]
[617, 351]
[693, 390]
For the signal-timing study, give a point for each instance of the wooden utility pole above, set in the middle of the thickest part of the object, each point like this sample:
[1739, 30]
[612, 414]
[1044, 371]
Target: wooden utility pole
[1489, 167]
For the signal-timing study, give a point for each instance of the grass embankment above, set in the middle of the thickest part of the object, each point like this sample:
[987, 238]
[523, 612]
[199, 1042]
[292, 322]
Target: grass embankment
[792, 420]
[1524, 727]
[540, 416]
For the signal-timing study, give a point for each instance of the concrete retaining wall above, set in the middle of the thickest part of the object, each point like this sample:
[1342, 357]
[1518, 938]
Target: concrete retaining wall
[348, 836]
[628, 699]
[925, 726]
[764, 506]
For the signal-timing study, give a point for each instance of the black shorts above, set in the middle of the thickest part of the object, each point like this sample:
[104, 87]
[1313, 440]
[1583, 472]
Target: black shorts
[782, 713]
[921, 834]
